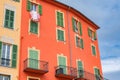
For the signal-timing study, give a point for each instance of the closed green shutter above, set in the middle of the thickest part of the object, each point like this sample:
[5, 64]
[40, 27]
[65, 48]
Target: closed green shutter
[33, 27]
[82, 43]
[73, 24]
[80, 28]
[14, 56]
[40, 9]
[93, 50]
[58, 18]
[62, 63]
[9, 19]
[80, 69]
[61, 19]
[60, 34]
[95, 36]
[29, 5]
[0, 48]
[33, 59]
[17, 0]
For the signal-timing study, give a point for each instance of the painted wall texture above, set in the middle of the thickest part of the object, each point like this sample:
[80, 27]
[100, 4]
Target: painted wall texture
[54, 36]
[10, 20]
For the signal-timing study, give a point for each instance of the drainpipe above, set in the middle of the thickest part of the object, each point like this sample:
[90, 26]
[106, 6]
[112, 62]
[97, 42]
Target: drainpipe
[69, 38]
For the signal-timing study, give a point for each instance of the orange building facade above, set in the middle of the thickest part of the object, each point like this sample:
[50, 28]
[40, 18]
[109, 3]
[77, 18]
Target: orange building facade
[57, 43]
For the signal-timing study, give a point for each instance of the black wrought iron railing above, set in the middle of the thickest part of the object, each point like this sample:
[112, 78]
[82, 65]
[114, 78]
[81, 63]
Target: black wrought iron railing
[5, 62]
[88, 76]
[35, 64]
[66, 70]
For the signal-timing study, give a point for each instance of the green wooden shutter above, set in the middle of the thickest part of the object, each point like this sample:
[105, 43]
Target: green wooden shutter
[29, 5]
[93, 50]
[97, 73]
[77, 42]
[80, 28]
[33, 59]
[62, 63]
[73, 22]
[60, 34]
[80, 69]
[95, 36]
[33, 27]
[0, 48]
[58, 18]
[14, 56]
[82, 43]
[40, 9]
[61, 19]
[89, 32]
[11, 19]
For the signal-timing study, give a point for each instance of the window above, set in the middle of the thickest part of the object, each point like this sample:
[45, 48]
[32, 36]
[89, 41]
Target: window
[34, 27]
[76, 26]
[80, 69]
[4, 77]
[60, 19]
[8, 55]
[79, 42]
[17, 0]
[33, 59]
[97, 74]
[93, 50]
[9, 19]
[35, 7]
[60, 35]
[92, 34]
[62, 63]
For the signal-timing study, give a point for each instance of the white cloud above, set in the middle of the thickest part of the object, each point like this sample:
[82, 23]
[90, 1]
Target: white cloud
[111, 65]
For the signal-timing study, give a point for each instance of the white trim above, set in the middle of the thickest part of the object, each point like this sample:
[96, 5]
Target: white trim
[12, 8]
[28, 77]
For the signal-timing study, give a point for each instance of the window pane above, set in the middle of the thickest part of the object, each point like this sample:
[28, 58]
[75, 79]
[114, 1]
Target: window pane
[3, 50]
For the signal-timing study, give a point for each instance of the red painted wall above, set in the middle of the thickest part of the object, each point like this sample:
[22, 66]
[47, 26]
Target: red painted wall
[49, 46]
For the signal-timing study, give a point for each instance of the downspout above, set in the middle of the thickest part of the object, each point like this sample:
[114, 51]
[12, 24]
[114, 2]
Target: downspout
[69, 38]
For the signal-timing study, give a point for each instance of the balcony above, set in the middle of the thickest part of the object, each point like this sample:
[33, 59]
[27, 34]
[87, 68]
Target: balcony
[35, 66]
[65, 72]
[83, 75]
[5, 62]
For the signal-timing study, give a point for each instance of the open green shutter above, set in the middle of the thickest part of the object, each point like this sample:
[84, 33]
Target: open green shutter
[29, 5]
[14, 56]
[77, 43]
[40, 9]
[0, 48]
[82, 43]
[95, 36]
[80, 28]
[88, 32]
[58, 34]
[73, 22]
[58, 18]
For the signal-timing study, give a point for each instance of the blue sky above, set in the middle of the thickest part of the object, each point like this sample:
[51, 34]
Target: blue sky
[106, 14]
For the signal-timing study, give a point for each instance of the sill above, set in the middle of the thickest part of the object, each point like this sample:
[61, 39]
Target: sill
[61, 41]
